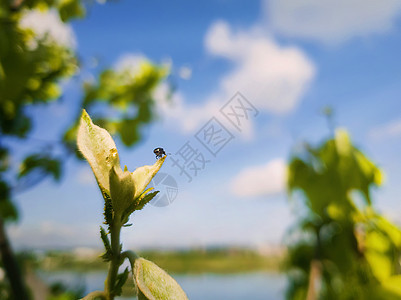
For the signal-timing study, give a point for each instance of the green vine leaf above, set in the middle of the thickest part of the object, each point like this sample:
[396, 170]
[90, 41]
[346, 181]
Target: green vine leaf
[145, 199]
[121, 279]
[153, 283]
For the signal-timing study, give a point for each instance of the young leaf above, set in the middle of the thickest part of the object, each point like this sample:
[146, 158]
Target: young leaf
[122, 190]
[146, 199]
[153, 283]
[99, 149]
[139, 204]
[121, 279]
[108, 254]
[143, 175]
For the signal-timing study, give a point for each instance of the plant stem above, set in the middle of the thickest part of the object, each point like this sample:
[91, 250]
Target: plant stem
[115, 262]
[315, 275]
[131, 255]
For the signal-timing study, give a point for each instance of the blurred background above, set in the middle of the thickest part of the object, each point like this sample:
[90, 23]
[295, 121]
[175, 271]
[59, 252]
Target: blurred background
[282, 125]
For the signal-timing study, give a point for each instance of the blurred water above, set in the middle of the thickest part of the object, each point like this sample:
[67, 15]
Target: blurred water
[255, 286]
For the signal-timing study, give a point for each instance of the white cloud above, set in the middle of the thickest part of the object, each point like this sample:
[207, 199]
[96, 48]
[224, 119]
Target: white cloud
[389, 130]
[262, 180]
[331, 21]
[130, 62]
[47, 24]
[273, 78]
[190, 117]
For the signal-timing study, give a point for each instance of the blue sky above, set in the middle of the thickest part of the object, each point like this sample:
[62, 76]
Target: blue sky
[288, 58]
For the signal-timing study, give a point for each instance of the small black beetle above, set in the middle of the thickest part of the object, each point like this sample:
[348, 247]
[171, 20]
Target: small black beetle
[159, 152]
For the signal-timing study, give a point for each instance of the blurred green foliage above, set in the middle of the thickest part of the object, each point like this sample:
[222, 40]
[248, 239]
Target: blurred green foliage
[31, 67]
[224, 260]
[128, 94]
[60, 291]
[48, 165]
[33, 63]
[342, 248]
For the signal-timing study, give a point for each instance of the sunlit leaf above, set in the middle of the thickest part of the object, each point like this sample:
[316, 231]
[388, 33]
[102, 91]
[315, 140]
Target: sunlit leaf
[99, 149]
[143, 175]
[154, 283]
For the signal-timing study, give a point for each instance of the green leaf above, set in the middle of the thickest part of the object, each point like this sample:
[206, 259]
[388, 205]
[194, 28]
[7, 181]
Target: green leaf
[393, 284]
[343, 142]
[130, 92]
[106, 242]
[146, 199]
[357, 248]
[382, 244]
[153, 283]
[143, 175]
[4, 159]
[125, 189]
[70, 9]
[122, 189]
[120, 281]
[138, 205]
[99, 149]
[42, 162]
[127, 134]
[8, 210]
